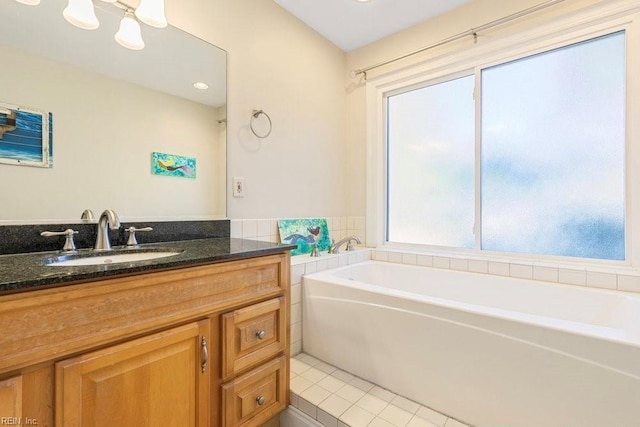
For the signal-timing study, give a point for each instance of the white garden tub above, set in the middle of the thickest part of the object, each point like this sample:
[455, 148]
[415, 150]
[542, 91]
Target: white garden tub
[490, 351]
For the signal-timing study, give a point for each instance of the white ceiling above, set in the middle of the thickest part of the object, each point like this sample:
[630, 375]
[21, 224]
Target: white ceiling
[351, 24]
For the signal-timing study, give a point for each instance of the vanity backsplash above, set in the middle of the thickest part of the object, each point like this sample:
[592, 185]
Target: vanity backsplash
[16, 239]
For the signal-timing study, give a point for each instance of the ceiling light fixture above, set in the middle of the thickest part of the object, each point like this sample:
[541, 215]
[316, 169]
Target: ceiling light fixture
[82, 14]
[130, 35]
[29, 2]
[201, 85]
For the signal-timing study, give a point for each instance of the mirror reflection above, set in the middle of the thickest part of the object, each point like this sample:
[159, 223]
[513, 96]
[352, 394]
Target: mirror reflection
[109, 109]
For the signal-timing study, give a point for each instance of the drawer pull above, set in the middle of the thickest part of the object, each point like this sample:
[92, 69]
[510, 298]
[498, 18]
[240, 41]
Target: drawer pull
[261, 334]
[260, 400]
[205, 354]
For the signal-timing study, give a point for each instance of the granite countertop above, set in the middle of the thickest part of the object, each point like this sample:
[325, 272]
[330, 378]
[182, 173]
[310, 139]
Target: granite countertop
[26, 272]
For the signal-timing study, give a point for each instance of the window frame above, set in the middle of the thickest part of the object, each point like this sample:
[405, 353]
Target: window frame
[558, 32]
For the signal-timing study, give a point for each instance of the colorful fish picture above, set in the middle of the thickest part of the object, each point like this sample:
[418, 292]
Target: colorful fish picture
[26, 136]
[306, 233]
[173, 165]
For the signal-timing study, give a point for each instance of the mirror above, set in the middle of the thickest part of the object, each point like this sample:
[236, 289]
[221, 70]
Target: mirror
[110, 109]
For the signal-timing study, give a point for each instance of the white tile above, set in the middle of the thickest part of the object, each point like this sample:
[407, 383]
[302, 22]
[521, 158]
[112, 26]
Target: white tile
[353, 258]
[342, 375]
[372, 404]
[293, 399]
[314, 375]
[298, 366]
[432, 416]
[335, 405]
[419, 422]
[521, 270]
[498, 268]
[380, 255]
[299, 384]
[379, 422]
[357, 417]
[602, 280]
[396, 416]
[381, 393]
[296, 332]
[326, 419]
[325, 367]
[264, 227]
[307, 407]
[361, 223]
[296, 347]
[425, 260]
[547, 274]
[454, 423]
[310, 267]
[406, 404]
[296, 313]
[315, 394]
[331, 383]
[361, 384]
[275, 232]
[459, 264]
[249, 229]
[343, 260]
[411, 259]
[323, 264]
[628, 283]
[309, 360]
[296, 293]
[334, 262]
[364, 255]
[351, 223]
[350, 393]
[395, 257]
[478, 266]
[441, 262]
[572, 277]
[236, 228]
[296, 273]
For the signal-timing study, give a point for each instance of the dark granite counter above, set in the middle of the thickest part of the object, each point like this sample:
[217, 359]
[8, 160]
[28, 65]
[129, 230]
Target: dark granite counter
[30, 271]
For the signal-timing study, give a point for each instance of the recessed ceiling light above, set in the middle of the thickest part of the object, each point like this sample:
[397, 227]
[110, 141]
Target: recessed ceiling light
[201, 85]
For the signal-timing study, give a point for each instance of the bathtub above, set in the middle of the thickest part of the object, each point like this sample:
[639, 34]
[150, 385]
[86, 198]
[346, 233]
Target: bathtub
[487, 350]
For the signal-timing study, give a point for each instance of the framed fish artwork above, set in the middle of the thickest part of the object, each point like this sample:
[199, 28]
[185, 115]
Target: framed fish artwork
[26, 136]
[306, 233]
[173, 165]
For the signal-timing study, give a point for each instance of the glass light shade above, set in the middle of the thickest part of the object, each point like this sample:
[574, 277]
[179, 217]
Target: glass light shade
[151, 12]
[81, 14]
[129, 34]
[29, 2]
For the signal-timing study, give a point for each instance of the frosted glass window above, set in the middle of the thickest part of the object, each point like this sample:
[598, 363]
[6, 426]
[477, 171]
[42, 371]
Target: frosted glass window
[552, 152]
[430, 170]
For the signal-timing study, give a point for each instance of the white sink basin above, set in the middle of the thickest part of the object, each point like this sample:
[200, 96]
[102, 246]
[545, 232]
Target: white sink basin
[111, 258]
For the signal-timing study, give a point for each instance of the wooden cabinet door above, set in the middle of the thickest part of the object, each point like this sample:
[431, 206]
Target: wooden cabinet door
[157, 380]
[10, 400]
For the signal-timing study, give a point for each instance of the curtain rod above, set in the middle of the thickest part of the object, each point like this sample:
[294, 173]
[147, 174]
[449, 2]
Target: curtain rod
[472, 32]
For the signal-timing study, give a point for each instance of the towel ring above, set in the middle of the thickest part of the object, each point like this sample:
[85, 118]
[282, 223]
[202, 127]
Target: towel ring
[255, 115]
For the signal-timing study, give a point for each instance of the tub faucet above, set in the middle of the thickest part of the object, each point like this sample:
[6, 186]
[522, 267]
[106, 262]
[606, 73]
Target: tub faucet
[335, 246]
[102, 239]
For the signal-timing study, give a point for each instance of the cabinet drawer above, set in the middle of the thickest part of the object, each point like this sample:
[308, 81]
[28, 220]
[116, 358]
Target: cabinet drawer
[252, 335]
[255, 397]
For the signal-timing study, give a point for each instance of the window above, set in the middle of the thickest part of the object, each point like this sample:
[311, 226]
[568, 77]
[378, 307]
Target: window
[548, 149]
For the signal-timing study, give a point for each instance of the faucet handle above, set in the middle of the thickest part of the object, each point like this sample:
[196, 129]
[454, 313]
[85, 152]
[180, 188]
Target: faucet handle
[69, 245]
[132, 241]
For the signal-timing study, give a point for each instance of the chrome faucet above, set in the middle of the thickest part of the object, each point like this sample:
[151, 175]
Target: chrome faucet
[335, 246]
[102, 239]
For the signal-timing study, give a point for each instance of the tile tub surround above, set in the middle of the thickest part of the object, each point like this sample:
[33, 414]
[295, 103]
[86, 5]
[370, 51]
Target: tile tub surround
[336, 398]
[267, 229]
[304, 264]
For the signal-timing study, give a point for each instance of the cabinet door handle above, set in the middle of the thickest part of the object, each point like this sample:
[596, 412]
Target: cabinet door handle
[261, 334]
[205, 354]
[260, 400]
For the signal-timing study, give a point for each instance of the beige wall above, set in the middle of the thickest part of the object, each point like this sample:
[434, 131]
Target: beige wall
[277, 64]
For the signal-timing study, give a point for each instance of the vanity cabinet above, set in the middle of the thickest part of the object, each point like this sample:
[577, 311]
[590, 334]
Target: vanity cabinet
[196, 346]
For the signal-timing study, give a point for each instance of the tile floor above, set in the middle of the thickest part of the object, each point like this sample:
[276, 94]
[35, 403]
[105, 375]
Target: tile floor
[338, 399]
